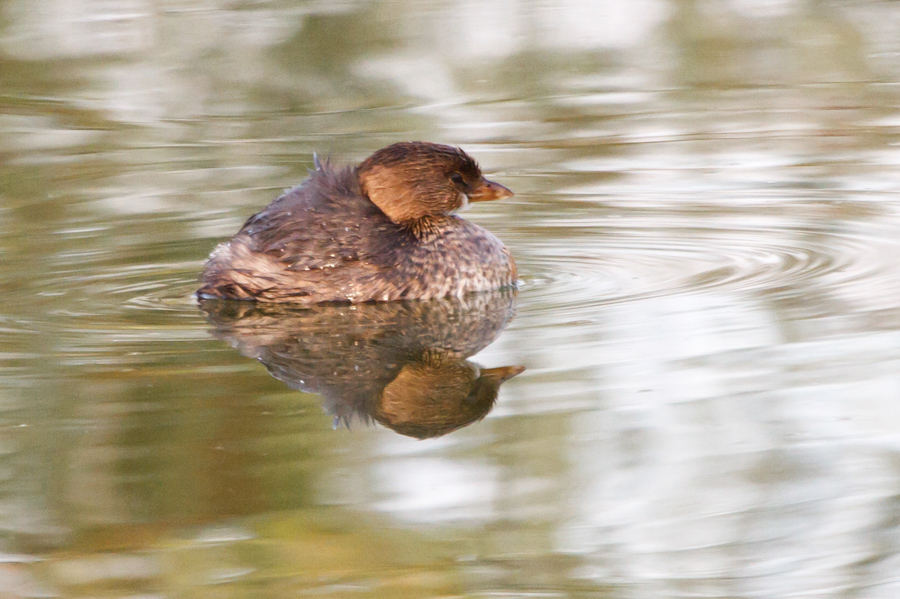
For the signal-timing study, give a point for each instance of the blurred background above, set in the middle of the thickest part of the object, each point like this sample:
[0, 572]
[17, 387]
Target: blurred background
[706, 223]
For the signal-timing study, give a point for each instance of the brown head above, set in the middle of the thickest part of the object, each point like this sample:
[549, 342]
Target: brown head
[412, 180]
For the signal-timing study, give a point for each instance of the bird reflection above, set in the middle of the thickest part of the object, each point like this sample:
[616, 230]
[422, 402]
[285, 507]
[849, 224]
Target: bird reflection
[402, 364]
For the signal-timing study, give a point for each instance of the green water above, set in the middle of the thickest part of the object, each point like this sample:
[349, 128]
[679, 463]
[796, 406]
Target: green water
[706, 225]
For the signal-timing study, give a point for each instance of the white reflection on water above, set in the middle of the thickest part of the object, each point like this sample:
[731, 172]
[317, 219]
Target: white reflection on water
[706, 224]
[59, 28]
[432, 490]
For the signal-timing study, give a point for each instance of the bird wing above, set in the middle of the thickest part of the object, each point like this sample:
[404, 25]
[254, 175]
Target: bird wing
[319, 225]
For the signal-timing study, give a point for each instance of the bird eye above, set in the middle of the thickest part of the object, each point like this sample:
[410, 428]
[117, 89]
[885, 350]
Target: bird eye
[457, 180]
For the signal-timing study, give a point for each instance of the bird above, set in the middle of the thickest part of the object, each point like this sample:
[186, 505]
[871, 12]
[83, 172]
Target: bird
[385, 230]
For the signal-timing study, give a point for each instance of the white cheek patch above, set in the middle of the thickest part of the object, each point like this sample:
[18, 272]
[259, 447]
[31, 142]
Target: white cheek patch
[463, 203]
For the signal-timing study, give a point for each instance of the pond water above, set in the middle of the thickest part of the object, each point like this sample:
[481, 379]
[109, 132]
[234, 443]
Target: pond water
[707, 228]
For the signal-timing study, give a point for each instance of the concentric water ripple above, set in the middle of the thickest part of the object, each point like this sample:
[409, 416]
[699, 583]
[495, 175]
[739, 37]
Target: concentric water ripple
[569, 263]
[569, 267]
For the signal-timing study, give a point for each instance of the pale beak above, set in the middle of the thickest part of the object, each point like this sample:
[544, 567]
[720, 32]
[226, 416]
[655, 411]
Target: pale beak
[503, 373]
[489, 191]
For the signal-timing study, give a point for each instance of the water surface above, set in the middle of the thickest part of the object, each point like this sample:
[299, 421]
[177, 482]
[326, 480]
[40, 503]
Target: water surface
[706, 224]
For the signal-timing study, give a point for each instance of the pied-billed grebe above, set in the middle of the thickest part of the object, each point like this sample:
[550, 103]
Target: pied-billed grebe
[382, 231]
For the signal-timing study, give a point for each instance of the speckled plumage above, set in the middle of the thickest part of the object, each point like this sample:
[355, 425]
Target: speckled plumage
[327, 241]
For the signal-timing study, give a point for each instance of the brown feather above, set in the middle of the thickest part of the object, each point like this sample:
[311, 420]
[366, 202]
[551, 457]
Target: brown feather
[383, 231]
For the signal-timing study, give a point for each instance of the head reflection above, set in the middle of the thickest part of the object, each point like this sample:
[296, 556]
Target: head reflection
[402, 364]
